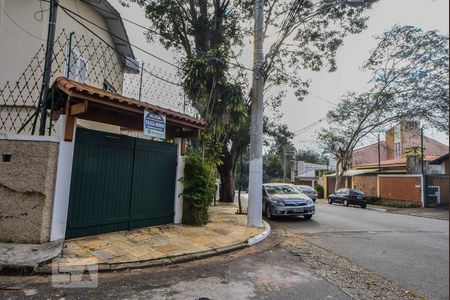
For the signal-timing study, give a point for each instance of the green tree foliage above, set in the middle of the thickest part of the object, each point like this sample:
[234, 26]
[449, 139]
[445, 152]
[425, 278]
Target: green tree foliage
[410, 77]
[272, 169]
[310, 156]
[414, 151]
[210, 35]
[199, 187]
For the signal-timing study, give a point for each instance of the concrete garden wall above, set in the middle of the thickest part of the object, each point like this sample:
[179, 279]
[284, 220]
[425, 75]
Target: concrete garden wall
[27, 185]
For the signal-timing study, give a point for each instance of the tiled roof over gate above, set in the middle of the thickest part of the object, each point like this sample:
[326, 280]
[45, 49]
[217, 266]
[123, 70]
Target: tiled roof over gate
[83, 91]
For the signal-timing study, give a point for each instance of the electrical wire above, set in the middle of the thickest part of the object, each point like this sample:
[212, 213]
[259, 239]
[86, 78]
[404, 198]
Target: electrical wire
[106, 43]
[69, 12]
[40, 12]
[312, 125]
[23, 29]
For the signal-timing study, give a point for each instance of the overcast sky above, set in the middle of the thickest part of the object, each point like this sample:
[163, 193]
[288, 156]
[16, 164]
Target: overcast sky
[327, 88]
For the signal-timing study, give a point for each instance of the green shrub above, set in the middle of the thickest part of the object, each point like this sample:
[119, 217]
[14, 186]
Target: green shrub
[319, 190]
[373, 200]
[199, 186]
[398, 204]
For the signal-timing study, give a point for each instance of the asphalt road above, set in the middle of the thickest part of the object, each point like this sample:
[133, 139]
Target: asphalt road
[412, 251]
[260, 272]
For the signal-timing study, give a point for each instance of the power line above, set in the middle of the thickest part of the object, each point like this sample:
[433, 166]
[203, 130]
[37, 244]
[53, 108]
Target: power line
[237, 65]
[321, 98]
[106, 43]
[23, 29]
[125, 19]
[308, 127]
[65, 9]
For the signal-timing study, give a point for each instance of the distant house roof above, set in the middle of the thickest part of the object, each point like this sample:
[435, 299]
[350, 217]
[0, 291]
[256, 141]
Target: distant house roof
[369, 146]
[400, 161]
[354, 172]
[115, 25]
[439, 160]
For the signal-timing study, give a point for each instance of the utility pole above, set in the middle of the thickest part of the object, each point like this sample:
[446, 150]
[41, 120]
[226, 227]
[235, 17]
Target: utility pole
[379, 155]
[421, 150]
[240, 185]
[48, 65]
[254, 216]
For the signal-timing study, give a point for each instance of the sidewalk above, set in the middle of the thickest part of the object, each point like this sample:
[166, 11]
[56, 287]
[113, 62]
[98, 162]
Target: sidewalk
[433, 213]
[162, 245]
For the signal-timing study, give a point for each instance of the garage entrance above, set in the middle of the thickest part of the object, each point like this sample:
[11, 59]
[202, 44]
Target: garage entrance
[119, 183]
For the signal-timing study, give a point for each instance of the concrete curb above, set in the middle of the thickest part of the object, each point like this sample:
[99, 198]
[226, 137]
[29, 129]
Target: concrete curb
[260, 237]
[47, 269]
[377, 209]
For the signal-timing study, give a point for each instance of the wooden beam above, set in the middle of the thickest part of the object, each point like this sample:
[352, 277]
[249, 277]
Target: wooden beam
[113, 118]
[70, 124]
[79, 108]
[183, 147]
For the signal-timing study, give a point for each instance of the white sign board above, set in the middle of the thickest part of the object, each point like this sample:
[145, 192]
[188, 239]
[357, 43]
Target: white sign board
[154, 125]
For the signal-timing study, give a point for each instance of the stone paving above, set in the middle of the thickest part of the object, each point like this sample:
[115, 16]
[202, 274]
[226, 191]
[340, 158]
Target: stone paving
[225, 229]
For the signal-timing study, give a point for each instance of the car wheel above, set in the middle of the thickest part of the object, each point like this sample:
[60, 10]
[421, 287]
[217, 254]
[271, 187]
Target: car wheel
[268, 212]
[364, 206]
[346, 203]
[307, 217]
[330, 201]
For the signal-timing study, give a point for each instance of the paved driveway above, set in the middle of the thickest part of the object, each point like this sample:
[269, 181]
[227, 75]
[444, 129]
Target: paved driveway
[412, 251]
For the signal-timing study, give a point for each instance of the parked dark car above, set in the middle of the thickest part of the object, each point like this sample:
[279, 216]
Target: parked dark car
[308, 191]
[347, 197]
[282, 199]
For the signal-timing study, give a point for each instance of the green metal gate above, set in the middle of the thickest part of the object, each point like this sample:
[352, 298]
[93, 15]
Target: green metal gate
[119, 183]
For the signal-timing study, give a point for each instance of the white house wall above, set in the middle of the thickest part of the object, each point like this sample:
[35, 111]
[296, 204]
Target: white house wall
[18, 47]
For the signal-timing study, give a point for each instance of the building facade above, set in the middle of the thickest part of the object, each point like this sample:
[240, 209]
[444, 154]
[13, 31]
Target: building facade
[398, 140]
[95, 55]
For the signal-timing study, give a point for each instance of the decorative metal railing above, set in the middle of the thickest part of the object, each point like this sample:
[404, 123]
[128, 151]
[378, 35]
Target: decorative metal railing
[92, 62]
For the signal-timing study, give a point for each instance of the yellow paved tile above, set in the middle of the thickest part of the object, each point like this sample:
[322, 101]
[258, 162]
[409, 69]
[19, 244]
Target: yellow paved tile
[138, 251]
[224, 229]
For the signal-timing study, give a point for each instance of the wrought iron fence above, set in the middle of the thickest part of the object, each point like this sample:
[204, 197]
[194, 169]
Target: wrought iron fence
[90, 61]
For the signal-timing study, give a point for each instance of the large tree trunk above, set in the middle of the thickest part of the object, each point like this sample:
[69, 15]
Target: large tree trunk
[227, 183]
[339, 173]
[227, 171]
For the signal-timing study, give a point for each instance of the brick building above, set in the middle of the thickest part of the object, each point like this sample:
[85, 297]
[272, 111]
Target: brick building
[398, 140]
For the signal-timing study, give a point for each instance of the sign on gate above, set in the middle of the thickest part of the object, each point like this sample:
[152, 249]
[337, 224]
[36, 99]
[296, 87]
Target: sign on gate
[154, 125]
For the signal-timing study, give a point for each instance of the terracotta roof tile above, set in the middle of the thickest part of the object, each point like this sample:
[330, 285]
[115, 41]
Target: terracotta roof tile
[400, 160]
[69, 86]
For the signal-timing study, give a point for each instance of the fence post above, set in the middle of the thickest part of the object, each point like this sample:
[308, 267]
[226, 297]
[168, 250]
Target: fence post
[69, 55]
[378, 186]
[140, 84]
[423, 183]
[48, 64]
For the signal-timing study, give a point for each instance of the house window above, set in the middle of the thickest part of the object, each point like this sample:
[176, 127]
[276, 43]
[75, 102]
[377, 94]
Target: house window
[397, 149]
[108, 87]
[78, 69]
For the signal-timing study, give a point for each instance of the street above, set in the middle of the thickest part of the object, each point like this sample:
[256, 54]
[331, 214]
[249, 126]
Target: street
[358, 251]
[411, 251]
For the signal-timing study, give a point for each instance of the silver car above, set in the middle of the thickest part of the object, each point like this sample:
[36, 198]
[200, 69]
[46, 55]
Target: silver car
[282, 199]
[308, 191]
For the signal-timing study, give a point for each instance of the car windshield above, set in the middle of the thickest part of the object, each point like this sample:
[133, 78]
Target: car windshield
[281, 189]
